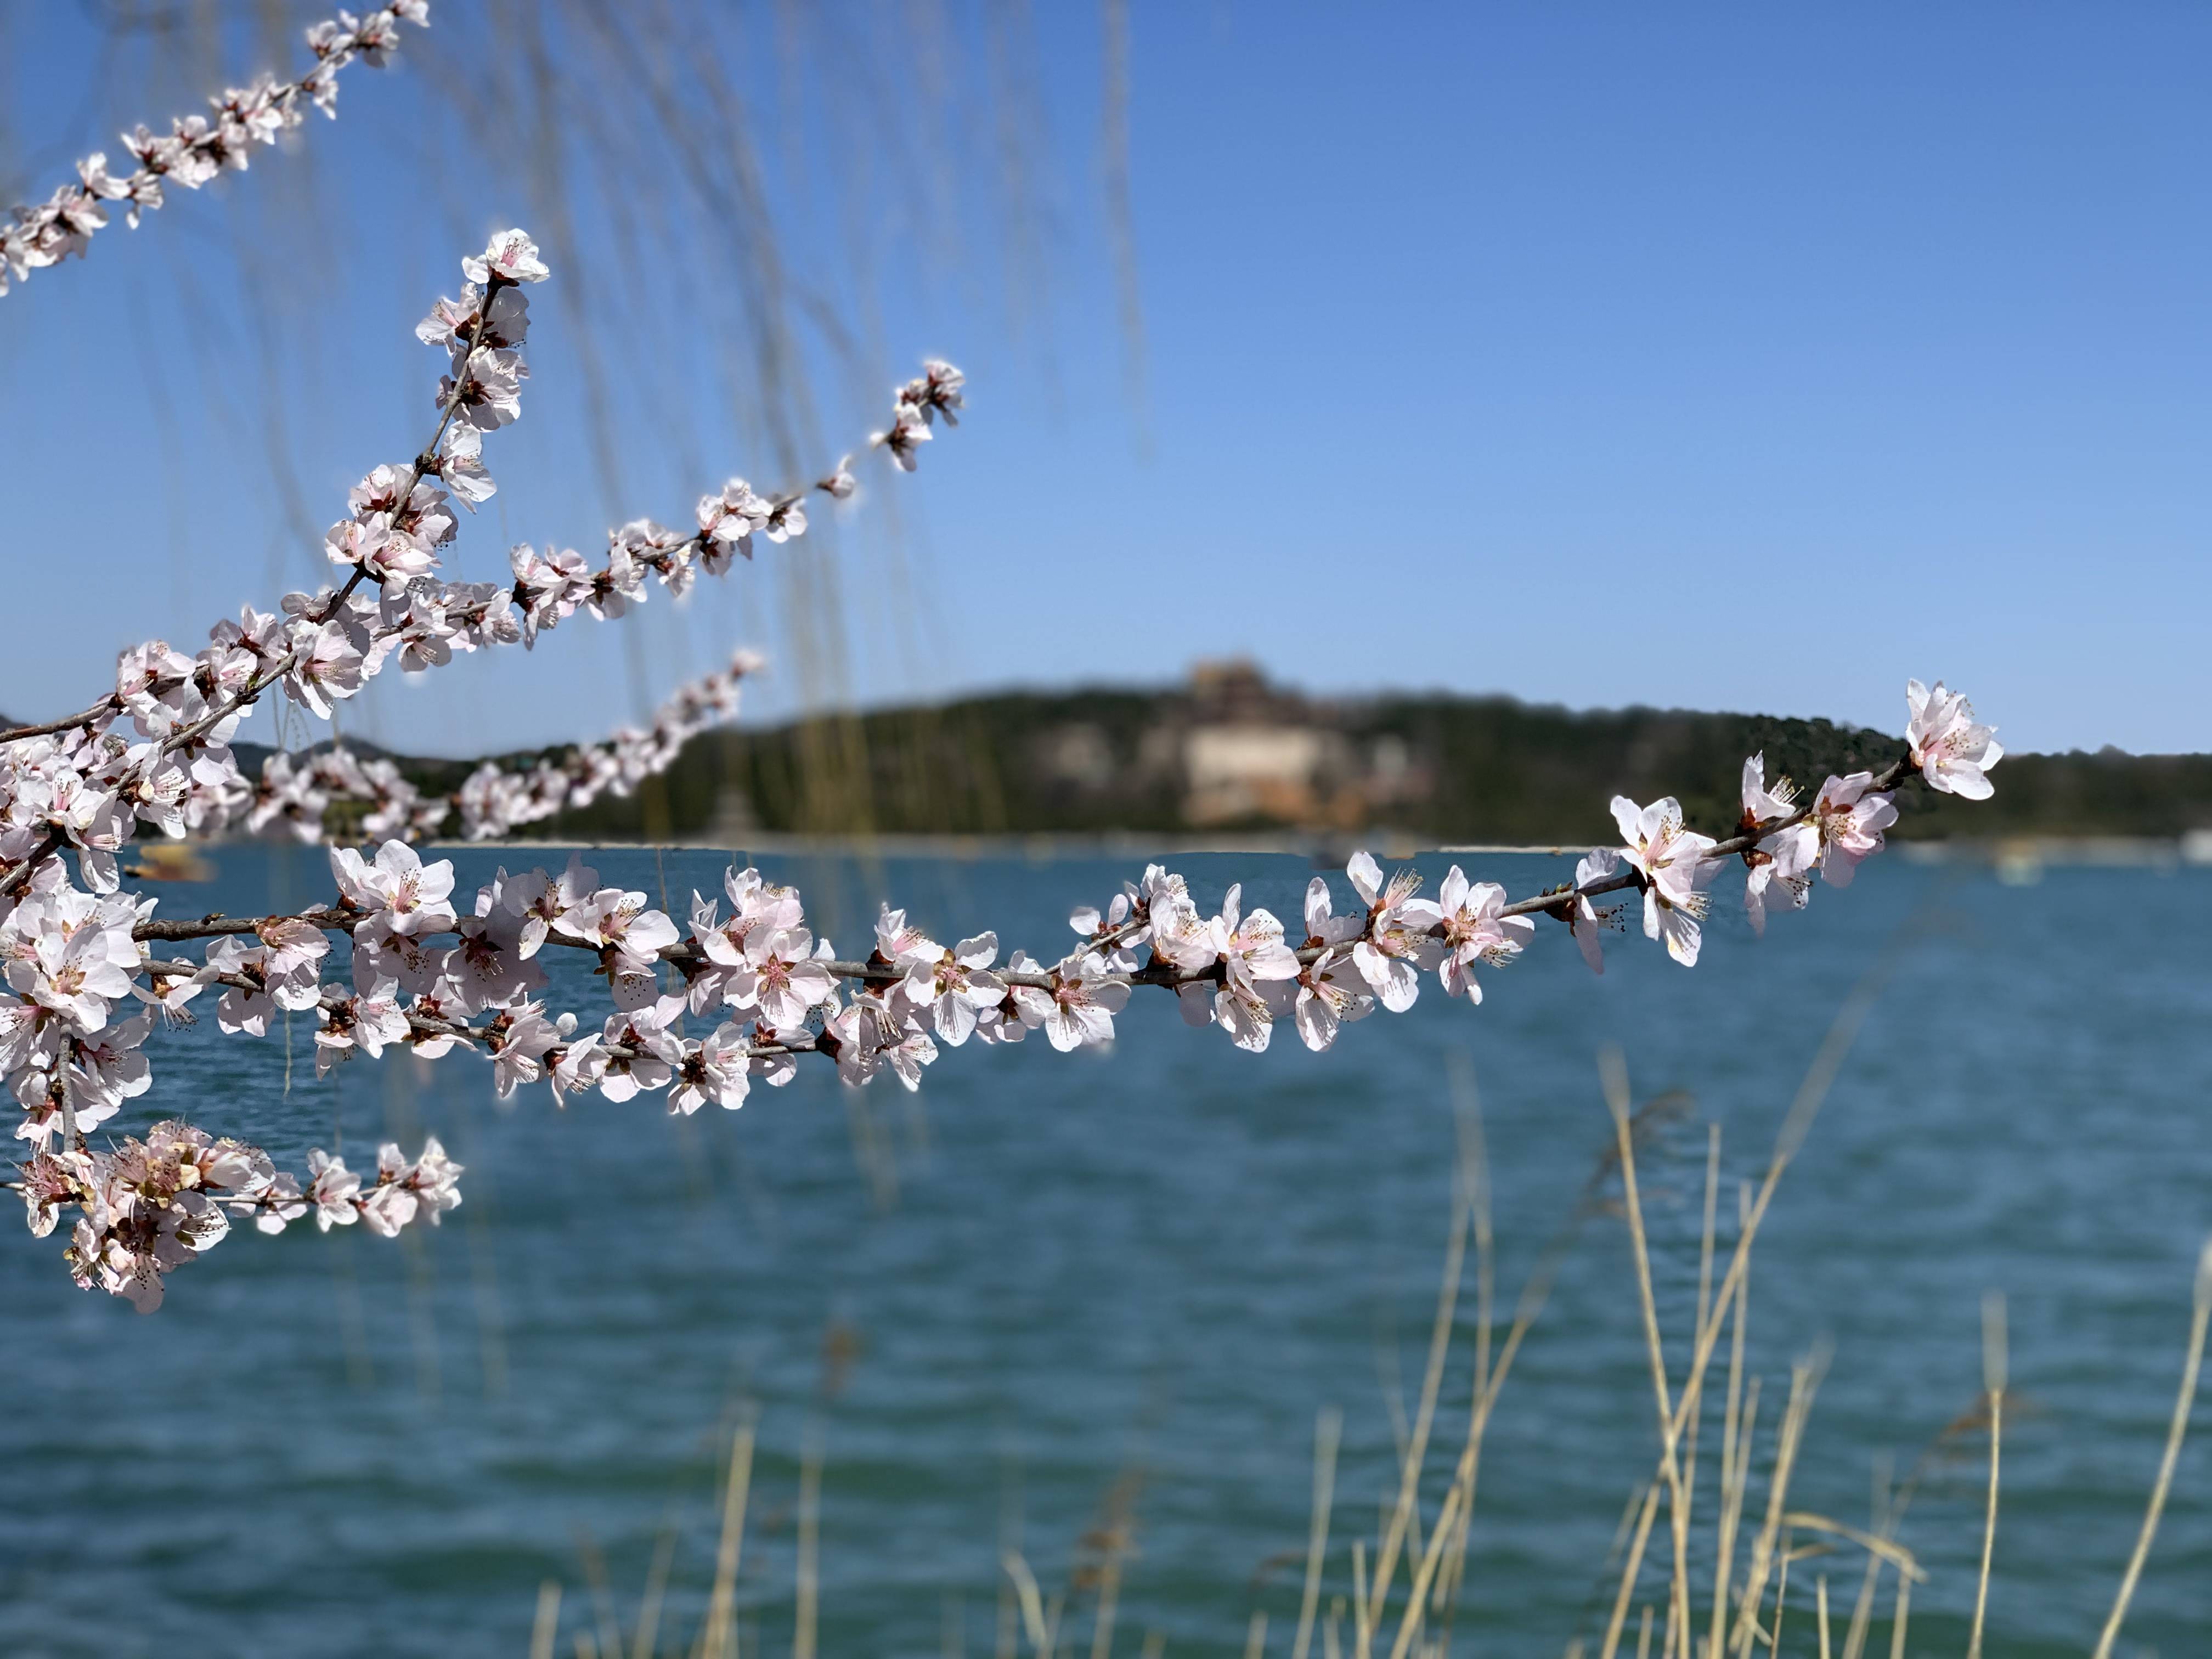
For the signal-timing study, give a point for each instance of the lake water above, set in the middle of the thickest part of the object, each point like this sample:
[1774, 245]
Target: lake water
[1047, 1277]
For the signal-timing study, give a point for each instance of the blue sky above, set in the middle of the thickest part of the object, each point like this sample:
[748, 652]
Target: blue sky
[1727, 358]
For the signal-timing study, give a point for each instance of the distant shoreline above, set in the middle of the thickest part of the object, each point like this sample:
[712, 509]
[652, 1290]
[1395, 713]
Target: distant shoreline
[2009, 853]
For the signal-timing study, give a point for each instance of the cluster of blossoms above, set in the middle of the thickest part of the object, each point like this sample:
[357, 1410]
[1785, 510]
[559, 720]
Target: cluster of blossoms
[156, 752]
[296, 792]
[936, 391]
[149, 1206]
[198, 147]
[701, 1010]
[79, 784]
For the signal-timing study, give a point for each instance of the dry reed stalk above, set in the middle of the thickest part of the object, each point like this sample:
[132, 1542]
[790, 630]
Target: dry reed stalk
[1882, 1549]
[1820, 1606]
[1667, 1644]
[1419, 1593]
[718, 1639]
[586, 1647]
[1115, 1531]
[1780, 1597]
[1614, 1072]
[1155, 1644]
[2201, 1316]
[1025, 1587]
[608, 1639]
[1871, 1580]
[1904, 1609]
[1403, 1515]
[1256, 1635]
[1732, 1521]
[1110, 1592]
[1704, 1305]
[1332, 1638]
[1474, 1153]
[810, 1526]
[1803, 1383]
[647, 1632]
[1644, 1635]
[1329, 1430]
[1628, 1571]
[544, 1628]
[1993, 1384]
[1804, 1107]
[1362, 1632]
[1736, 1443]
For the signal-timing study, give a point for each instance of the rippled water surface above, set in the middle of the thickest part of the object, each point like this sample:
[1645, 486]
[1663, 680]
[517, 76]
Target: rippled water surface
[1049, 1279]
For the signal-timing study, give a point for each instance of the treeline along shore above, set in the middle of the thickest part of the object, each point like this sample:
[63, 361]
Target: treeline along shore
[1227, 753]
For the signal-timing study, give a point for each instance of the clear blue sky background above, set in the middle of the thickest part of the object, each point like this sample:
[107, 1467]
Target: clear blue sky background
[1725, 357]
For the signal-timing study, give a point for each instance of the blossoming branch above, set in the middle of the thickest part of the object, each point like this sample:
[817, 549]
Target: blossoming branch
[420, 974]
[296, 793]
[196, 149]
[774, 992]
[70, 783]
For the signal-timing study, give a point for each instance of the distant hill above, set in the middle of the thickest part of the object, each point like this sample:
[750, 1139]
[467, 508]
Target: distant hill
[1228, 752]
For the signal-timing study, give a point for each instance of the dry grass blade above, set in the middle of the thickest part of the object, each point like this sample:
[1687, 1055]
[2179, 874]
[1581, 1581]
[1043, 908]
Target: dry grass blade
[1362, 1632]
[644, 1638]
[1820, 1606]
[1411, 1620]
[1329, 1430]
[1704, 1307]
[719, 1640]
[1629, 1570]
[609, 1638]
[1614, 1073]
[1256, 1635]
[1403, 1516]
[1804, 1383]
[1903, 1610]
[1736, 1443]
[1804, 1107]
[1993, 1383]
[1885, 1525]
[1896, 1554]
[1025, 1587]
[544, 1628]
[1781, 1598]
[2178, 1428]
[809, 1527]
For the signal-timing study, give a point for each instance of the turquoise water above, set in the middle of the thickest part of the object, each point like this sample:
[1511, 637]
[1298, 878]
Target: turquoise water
[995, 1301]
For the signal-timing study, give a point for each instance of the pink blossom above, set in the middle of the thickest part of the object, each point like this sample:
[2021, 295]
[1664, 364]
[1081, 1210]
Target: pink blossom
[1850, 816]
[1083, 1002]
[1475, 931]
[956, 987]
[1952, 750]
[1398, 942]
[1671, 859]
